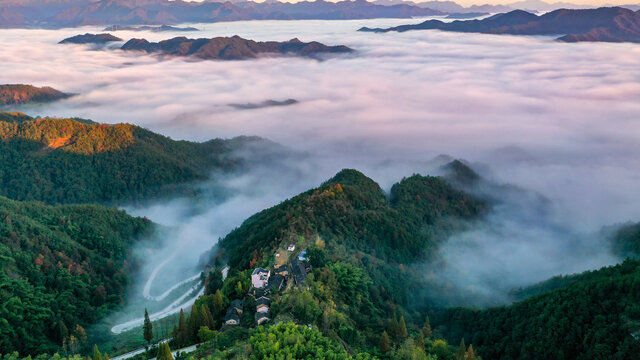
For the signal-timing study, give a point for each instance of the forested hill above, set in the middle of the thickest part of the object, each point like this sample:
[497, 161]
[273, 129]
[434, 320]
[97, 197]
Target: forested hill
[61, 268]
[351, 210]
[595, 316]
[361, 245]
[78, 161]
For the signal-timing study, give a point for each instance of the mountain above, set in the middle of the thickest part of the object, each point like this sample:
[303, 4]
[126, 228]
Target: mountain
[449, 7]
[593, 316]
[55, 14]
[360, 243]
[78, 161]
[90, 39]
[18, 94]
[231, 48]
[62, 268]
[613, 24]
[160, 28]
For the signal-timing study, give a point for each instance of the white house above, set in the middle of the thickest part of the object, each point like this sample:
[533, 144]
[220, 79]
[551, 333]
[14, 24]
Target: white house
[291, 247]
[260, 277]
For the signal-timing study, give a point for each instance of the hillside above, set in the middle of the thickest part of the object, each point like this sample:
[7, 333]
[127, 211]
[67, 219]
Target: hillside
[609, 24]
[61, 269]
[18, 94]
[594, 316]
[78, 161]
[231, 48]
[361, 243]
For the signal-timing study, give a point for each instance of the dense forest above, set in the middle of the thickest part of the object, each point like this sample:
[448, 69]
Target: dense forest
[79, 161]
[596, 315]
[16, 94]
[62, 268]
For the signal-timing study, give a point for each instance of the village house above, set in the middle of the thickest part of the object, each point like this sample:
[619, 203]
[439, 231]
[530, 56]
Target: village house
[236, 308]
[281, 270]
[275, 284]
[259, 278]
[291, 248]
[262, 304]
[262, 318]
[299, 270]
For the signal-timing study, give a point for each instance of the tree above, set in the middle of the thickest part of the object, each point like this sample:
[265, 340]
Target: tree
[462, 349]
[420, 341]
[470, 355]
[182, 336]
[426, 328]
[207, 318]
[402, 329]
[147, 327]
[194, 323]
[96, 353]
[164, 352]
[385, 343]
[214, 282]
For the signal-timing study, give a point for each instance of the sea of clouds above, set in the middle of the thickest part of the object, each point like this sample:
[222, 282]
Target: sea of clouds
[553, 118]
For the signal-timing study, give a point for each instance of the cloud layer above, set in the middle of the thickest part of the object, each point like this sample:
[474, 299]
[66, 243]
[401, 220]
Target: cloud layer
[560, 119]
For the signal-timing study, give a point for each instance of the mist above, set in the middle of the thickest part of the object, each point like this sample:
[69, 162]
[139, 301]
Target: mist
[559, 120]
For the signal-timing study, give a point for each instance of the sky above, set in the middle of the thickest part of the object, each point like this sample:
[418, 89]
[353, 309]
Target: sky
[467, 3]
[555, 119]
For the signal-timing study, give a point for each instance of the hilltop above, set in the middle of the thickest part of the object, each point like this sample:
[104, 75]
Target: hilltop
[90, 39]
[19, 94]
[612, 24]
[231, 48]
[77, 161]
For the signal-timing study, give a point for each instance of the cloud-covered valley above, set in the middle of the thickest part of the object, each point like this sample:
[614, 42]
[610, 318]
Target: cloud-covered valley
[558, 119]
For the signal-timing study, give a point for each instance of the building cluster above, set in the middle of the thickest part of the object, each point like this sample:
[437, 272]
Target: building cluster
[265, 282]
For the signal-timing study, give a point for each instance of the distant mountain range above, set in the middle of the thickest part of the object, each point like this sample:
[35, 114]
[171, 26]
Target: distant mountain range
[614, 24]
[69, 13]
[231, 48]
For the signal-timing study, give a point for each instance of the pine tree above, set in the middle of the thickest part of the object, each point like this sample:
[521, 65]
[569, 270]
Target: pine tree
[420, 341]
[63, 331]
[462, 349]
[164, 352]
[106, 357]
[470, 355]
[147, 327]
[426, 328]
[207, 318]
[218, 304]
[183, 330]
[385, 343]
[96, 353]
[402, 329]
[195, 319]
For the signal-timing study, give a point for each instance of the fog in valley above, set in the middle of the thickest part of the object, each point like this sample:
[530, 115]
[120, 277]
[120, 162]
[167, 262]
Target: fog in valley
[554, 119]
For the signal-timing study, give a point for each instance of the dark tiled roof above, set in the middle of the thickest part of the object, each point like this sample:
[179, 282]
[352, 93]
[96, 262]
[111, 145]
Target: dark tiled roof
[262, 301]
[237, 304]
[275, 282]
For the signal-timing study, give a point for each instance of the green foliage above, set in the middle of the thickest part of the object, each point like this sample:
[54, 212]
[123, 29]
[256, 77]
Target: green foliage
[61, 268]
[595, 317]
[147, 328]
[164, 352]
[289, 341]
[73, 161]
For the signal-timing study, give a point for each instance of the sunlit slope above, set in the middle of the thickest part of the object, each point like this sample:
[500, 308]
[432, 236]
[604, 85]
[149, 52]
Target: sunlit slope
[61, 267]
[78, 161]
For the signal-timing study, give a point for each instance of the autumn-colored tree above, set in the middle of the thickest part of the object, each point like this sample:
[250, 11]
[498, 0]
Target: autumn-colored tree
[385, 343]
